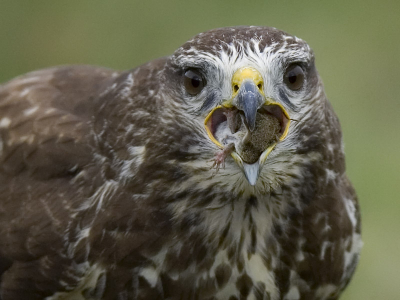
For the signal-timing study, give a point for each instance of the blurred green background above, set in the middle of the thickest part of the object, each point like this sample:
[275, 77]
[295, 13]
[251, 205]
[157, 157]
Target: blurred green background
[357, 46]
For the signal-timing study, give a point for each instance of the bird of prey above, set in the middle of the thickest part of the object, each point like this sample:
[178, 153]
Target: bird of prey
[215, 173]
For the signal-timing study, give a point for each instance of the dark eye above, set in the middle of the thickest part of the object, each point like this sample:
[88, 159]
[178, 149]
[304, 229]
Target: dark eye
[193, 81]
[294, 77]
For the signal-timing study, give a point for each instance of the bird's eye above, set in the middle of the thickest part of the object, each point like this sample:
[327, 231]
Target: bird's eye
[294, 77]
[193, 81]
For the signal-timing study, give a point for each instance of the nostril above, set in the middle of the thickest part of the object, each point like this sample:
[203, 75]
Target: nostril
[260, 86]
[235, 88]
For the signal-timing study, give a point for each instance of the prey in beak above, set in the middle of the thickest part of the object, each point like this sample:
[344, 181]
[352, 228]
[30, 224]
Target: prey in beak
[248, 126]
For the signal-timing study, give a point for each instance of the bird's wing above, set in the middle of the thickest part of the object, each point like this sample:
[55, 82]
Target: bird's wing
[44, 146]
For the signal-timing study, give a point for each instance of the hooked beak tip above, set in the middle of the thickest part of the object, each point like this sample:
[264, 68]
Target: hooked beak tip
[251, 172]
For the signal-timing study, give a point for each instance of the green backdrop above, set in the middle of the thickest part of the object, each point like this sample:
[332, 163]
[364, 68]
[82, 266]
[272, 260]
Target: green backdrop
[357, 46]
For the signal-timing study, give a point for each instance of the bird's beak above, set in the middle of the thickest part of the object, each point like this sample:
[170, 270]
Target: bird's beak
[247, 101]
[248, 95]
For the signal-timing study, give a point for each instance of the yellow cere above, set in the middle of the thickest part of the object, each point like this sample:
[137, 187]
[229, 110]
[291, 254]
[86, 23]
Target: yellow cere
[239, 77]
[245, 74]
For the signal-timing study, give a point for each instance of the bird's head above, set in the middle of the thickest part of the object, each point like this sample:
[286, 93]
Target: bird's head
[253, 98]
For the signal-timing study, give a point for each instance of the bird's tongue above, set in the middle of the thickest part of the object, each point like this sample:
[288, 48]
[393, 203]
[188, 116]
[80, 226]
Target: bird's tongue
[229, 127]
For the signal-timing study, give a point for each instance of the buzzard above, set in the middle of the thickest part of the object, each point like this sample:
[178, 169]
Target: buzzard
[214, 173]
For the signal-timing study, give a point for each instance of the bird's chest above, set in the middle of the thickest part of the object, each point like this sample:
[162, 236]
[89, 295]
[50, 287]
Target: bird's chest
[227, 259]
[225, 275]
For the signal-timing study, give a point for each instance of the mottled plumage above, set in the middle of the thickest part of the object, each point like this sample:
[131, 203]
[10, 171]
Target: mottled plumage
[107, 190]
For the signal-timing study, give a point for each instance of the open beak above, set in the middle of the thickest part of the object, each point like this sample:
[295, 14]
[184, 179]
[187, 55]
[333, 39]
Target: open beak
[248, 115]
